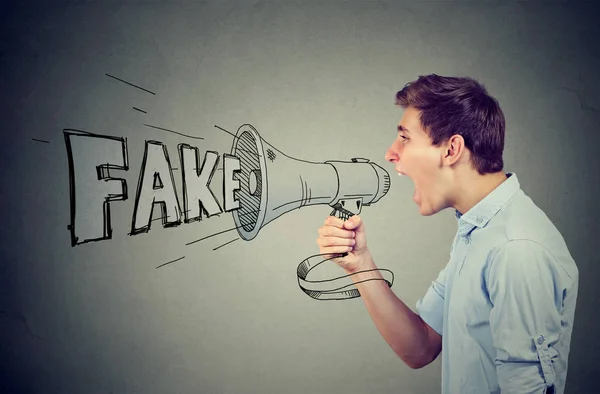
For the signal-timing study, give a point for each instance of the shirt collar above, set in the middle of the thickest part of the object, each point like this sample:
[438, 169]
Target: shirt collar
[488, 207]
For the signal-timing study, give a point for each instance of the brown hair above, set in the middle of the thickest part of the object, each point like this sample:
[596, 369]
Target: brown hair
[459, 105]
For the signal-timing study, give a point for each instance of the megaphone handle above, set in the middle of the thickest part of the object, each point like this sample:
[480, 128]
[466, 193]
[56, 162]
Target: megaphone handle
[314, 288]
[344, 216]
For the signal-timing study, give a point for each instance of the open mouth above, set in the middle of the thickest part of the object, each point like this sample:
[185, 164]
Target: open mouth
[416, 195]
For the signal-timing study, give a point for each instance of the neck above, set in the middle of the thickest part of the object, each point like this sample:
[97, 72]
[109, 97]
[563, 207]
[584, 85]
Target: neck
[473, 187]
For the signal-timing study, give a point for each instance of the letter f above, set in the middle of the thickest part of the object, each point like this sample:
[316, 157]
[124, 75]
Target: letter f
[91, 157]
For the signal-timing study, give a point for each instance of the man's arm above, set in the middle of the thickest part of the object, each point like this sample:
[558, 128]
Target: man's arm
[411, 338]
[525, 319]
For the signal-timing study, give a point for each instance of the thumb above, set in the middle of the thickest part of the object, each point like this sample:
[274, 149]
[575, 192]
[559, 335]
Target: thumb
[354, 223]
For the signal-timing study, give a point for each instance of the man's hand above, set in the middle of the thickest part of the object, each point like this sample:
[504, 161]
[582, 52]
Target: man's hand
[337, 237]
[413, 340]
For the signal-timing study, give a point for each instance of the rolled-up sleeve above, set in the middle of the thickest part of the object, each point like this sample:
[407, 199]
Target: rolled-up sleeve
[431, 306]
[525, 319]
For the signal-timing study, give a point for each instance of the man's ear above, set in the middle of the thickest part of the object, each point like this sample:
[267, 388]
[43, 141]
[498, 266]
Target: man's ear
[454, 149]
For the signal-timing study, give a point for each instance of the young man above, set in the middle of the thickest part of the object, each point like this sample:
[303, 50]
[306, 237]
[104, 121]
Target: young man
[502, 309]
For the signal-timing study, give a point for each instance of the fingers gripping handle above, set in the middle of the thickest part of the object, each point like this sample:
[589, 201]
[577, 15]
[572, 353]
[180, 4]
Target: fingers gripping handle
[340, 212]
[339, 288]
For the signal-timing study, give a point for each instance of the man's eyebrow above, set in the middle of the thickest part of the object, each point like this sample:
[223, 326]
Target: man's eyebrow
[404, 129]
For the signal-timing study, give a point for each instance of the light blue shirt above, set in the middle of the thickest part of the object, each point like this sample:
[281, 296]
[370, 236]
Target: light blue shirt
[505, 302]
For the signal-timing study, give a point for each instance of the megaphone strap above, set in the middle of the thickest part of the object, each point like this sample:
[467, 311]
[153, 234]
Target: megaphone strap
[334, 288]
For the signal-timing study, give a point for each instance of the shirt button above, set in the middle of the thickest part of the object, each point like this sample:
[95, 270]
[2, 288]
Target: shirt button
[540, 340]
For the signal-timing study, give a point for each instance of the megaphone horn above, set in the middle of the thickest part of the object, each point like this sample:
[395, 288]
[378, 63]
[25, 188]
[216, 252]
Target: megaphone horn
[272, 183]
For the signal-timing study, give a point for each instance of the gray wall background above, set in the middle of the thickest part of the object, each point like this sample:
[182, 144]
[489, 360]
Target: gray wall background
[317, 80]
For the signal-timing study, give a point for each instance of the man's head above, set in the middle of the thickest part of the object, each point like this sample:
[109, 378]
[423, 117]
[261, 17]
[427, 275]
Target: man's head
[451, 129]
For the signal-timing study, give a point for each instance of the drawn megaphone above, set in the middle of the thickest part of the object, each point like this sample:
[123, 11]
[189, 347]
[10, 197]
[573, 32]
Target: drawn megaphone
[272, 183]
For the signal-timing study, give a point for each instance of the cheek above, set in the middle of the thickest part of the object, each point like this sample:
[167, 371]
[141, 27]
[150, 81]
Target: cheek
[425, 172]
[423, 163]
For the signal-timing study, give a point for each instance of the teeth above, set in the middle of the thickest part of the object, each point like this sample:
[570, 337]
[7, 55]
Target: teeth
[401, 174]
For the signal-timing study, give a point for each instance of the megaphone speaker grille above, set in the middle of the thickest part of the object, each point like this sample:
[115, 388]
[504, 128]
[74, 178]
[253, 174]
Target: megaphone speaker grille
[252, 195]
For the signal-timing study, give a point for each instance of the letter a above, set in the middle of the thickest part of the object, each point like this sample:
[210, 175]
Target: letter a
[155, 186]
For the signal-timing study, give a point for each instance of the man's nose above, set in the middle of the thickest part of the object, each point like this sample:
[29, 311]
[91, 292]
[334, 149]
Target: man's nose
[391, 155]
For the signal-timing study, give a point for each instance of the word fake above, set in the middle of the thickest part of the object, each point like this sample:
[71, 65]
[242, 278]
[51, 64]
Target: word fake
[92, 187]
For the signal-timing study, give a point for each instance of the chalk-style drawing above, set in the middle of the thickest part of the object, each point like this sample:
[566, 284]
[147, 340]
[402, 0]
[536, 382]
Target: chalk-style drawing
[272, 183]
[335, 288]
[92, 188]
[225, 244]
[156, 186]
[210, 236]
[174, 132]
[197, 196]
[129, 83]
[171, 262]
[227, 131]
[231, 183]
[140, 110]
[260, 183]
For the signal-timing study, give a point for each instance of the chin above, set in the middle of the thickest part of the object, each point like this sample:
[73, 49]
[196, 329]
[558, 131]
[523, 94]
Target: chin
[427, 211]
